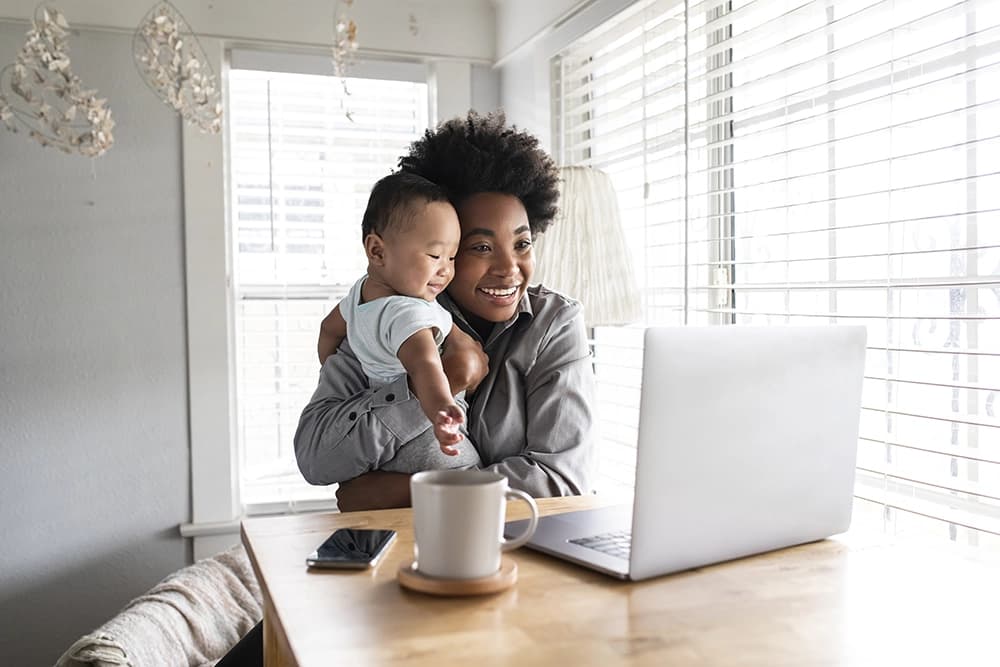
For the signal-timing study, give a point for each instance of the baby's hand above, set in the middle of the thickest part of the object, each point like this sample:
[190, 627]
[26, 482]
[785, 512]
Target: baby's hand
[446, 428]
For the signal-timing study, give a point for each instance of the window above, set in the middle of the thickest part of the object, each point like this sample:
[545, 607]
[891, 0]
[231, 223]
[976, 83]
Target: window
[807, 162]
[304, 155]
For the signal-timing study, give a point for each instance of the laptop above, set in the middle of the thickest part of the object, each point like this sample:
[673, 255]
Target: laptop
[747, 443]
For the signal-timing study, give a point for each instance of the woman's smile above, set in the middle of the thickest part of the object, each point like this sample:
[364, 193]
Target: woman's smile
[501, 296]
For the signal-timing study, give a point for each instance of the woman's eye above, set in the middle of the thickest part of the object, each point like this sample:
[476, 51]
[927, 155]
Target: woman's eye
[481, 247]
[523, 245]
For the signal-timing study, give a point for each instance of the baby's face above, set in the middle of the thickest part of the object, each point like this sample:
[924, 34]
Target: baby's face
[420, 259]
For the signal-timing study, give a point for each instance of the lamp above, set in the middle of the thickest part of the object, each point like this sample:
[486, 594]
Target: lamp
[584, 255]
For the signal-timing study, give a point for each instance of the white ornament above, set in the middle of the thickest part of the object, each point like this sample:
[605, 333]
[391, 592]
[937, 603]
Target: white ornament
[345, 38]
[41, 95]
[173, 64]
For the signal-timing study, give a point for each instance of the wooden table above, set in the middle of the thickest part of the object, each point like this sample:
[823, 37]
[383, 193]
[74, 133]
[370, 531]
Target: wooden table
[844, 601]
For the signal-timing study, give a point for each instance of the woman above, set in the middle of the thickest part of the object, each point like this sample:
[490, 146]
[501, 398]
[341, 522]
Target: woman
[530, 414]
[529, 395]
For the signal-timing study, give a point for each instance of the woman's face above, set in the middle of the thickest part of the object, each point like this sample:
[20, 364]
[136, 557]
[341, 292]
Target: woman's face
[495, 259]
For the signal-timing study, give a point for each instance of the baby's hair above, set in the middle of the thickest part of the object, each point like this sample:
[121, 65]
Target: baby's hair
[391, 205]
[481, 153]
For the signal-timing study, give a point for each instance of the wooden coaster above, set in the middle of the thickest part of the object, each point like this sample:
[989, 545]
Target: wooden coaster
[504, 578]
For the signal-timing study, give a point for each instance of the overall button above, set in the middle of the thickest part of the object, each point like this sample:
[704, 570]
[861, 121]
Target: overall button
[390, 397]
[352, 416]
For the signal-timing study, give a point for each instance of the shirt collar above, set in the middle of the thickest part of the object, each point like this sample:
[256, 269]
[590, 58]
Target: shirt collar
[523, 311]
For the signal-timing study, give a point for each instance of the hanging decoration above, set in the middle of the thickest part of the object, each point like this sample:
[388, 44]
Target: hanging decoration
[345, 46]
[40, 94]
[173, 64]
[345, 38]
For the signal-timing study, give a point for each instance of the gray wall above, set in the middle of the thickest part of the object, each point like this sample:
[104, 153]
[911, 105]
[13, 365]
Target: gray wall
[94, 460]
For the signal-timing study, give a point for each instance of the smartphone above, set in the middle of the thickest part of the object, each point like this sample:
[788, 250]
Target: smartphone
[355, 548]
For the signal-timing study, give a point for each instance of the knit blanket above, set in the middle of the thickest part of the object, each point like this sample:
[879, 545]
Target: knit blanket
[192, 617]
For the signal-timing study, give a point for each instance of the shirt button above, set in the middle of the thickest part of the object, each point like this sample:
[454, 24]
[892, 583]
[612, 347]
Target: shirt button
[352, 416]
[390, 397]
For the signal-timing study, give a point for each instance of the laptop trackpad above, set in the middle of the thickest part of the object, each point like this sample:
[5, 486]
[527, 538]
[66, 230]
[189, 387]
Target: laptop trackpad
[556, 533]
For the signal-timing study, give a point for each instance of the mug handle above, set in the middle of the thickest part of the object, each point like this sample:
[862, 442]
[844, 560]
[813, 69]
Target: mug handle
[520, 540]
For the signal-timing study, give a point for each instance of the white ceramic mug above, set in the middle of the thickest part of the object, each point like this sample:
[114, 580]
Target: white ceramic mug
[458, 518]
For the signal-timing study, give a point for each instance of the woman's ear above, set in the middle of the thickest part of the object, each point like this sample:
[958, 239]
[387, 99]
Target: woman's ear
[375, 249]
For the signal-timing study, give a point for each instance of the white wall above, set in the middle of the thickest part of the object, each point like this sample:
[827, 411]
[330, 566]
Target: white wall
[522, 22]
[525, 96]
[529, 35]
[95, 471]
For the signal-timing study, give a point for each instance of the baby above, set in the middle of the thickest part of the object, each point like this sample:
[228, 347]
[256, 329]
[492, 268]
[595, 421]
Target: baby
[391, 317]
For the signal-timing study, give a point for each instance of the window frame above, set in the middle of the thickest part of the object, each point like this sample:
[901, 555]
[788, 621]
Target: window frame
[277, 309]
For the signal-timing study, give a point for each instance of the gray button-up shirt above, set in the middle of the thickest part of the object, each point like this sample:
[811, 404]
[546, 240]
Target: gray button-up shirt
[531, 418]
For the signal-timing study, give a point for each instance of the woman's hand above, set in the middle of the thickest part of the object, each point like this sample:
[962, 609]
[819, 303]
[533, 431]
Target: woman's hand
[465, 364]
[375, 490]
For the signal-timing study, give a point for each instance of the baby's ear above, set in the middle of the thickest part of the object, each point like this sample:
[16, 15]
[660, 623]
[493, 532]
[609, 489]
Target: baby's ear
[375, 248]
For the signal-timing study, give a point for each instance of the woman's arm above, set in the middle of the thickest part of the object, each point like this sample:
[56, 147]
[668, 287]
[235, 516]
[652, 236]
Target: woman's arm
[376, 490]
[348, 428]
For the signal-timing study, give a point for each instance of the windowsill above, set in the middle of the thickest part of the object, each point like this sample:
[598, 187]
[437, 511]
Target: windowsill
[283, 508]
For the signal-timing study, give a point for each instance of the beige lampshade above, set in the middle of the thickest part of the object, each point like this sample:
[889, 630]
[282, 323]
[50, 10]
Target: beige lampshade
[583, 253]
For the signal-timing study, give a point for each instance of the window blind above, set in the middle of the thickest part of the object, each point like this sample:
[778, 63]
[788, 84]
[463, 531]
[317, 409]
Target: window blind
[301, 171]
[816, 161]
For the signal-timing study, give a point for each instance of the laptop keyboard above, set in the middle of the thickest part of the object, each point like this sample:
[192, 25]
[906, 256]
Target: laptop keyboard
[616, 543]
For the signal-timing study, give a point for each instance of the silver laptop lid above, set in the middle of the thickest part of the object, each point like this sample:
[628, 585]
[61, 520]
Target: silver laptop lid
[747, 441]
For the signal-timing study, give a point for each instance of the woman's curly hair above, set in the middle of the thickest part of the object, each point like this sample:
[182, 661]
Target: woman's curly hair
[481, 153]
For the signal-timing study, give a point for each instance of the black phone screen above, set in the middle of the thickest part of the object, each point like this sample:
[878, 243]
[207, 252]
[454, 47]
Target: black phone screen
[351, 547]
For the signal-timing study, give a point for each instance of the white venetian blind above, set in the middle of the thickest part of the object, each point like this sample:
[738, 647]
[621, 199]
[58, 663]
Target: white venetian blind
[787, 161]
[301, 172]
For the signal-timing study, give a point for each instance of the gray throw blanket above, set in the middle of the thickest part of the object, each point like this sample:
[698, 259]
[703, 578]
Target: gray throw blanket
[193, 617]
